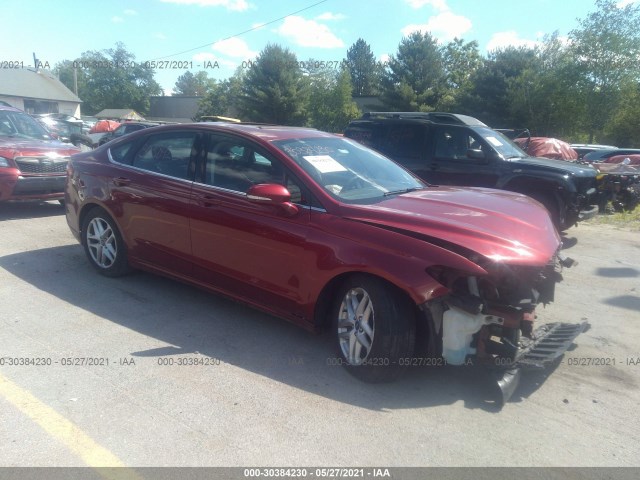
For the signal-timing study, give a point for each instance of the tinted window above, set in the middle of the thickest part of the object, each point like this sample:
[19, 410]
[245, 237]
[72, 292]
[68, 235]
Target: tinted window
[404, 142]
[453, 143]
[119, 153]
[366, 134]
[167, 153]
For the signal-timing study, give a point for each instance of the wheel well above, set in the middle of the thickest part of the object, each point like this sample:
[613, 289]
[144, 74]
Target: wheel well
[83, 214]
[547, 193]
[327, 296]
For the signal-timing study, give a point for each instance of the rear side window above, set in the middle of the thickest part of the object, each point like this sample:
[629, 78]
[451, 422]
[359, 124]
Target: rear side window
[404, 142]
[365, 134]
[167, 153]
[119, 153]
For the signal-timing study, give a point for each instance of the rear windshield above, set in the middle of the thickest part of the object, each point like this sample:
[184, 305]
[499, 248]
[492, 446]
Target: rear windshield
[21, 125]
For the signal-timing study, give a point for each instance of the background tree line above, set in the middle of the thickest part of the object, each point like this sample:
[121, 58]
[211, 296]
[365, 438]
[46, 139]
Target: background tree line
[584, 88]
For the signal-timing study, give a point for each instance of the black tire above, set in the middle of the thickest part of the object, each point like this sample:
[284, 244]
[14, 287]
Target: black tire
[556, 207]
[103, 244]
[389, 329]
[78, 140]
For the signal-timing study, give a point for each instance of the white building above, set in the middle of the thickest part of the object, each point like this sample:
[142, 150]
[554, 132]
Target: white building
[37, 92]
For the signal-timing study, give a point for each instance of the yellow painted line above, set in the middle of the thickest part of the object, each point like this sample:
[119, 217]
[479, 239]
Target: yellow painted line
[65, 431]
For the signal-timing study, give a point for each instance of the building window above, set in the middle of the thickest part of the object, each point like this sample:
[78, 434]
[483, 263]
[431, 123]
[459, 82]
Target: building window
[40, 106]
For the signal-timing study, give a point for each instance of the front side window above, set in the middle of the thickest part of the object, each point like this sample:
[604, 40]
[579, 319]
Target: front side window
[453, 143]
[500, 143]
[233, 164]
[347, 170]
[167, 153]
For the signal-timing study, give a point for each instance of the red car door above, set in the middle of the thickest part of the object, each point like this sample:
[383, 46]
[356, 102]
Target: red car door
[253, 251]
[153, 191]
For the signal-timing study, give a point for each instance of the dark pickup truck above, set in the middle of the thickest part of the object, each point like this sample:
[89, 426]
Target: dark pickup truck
[452, 149]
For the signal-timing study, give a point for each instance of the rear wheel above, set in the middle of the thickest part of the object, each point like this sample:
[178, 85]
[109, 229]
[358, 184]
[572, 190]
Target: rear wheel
[103, 244]
[375, 327]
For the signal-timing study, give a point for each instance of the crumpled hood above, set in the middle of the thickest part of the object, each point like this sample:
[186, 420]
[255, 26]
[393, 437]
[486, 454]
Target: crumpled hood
[580, 169]
[497, 224]
[17, 147]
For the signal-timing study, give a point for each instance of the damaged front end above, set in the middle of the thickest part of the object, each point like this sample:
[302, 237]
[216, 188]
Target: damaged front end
[489, 320]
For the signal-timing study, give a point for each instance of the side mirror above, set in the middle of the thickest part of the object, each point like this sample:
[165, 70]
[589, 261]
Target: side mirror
[272, 194]
[476, 154]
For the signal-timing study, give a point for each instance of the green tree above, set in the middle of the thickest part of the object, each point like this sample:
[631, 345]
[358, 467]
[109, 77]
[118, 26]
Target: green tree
[605, 49]
[189, 84]
[543, 96]
[222, 98]
[623, 127]
[275, 90]
[488, 98]
[111, 79]
[415, 78]
[364, 70]
[330, 104]
[460, 61]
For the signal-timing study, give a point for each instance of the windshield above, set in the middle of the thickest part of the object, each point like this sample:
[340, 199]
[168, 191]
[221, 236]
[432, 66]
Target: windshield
[21, 125]
[503, 145]
[347, 170]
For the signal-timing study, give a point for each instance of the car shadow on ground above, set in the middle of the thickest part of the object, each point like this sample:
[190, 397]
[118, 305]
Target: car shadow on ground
[30, 209]
[197, 322]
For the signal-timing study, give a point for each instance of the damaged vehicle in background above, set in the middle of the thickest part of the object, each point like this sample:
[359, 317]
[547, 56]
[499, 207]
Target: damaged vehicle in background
[619, 182]
[65, 128]
[32, 164]
[330, 235]
[453, 149]
[617, 179]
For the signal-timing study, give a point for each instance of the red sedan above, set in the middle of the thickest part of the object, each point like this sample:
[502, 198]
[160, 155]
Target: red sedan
[326, 233]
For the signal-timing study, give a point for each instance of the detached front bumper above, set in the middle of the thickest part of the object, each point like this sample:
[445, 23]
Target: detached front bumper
[548, 343]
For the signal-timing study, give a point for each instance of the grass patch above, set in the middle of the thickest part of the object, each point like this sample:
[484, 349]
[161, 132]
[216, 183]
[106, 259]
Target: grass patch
[626, 220]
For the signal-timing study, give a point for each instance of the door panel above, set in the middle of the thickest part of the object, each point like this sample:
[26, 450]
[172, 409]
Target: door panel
[154, 196]
[449, 163]
[250, 250]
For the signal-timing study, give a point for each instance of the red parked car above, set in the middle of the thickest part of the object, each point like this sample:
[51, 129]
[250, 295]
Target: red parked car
[326, 233]
[32, 164]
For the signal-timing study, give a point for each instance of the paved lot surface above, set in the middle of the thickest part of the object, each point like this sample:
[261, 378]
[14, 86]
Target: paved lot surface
[269, 397]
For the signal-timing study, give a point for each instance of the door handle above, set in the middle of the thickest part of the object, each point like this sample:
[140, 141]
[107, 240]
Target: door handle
[208, 200]
[121, 182]
[434, 166]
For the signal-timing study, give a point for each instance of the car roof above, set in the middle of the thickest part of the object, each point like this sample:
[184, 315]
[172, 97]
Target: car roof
[267, 132]
[431, 117]
[602, 153]
[10, 109]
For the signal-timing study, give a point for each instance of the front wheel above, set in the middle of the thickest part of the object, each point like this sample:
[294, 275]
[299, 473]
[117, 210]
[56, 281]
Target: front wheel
[375, 327]
[103, 244]
[557, 208]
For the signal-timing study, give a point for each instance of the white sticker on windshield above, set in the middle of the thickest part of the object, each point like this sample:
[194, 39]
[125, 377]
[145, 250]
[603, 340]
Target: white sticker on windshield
[324, 163]
[494, 141]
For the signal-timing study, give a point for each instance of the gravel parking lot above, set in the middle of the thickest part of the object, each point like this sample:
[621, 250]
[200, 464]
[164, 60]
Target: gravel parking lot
[179, 377]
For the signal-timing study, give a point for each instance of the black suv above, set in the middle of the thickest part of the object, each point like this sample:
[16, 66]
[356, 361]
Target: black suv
[451, 149]
[124, 129]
